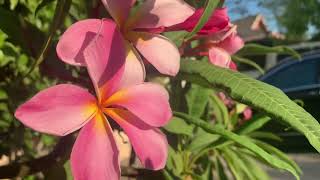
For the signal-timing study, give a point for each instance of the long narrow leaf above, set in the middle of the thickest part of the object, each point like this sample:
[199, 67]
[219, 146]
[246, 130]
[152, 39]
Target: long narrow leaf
[257, 49]
[256, 122]
[238, 162]
[241, 140]
[221, 111]
[210, 7]
[248, 62]
[254, 93]
[197, 99]
[265, 135]
[220, 171]
[234, 168]
[258, 172]
[279, 154]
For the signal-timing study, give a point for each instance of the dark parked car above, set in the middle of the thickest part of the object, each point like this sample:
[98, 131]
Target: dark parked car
[300, 80]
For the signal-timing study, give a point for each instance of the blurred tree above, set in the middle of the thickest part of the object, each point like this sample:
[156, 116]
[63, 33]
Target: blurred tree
[287, 13]
[294, 23]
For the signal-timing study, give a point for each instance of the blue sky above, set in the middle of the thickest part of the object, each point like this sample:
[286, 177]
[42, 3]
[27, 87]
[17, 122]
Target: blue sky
[250, 7]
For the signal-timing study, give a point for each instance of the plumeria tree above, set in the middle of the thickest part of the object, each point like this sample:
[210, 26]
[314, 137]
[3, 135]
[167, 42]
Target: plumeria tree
[165, 72]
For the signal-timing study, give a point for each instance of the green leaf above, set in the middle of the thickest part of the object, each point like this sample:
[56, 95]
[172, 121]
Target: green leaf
[241, 140]
[197, 98]
[167, 175]
[257, 49]
[175, 162]
[254, 93]
[67, 167]
[220, 172]
[207, 175]
[234, 158]
[176, 37]
[265, 135]
[220, 110]
[259, 173]
[13, 4]
[19, 31]
[10, 24]
[3, 94]
[201, 140]
[279, 154]
[210, 7]
[248, 62]
[42, 5]
[256, 122]
[234, 168]
[48, 140]
[3, 38]
[179, 126]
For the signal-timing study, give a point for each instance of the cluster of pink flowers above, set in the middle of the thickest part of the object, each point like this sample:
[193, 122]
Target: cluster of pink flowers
[218, 36]
[245, 112]
[113, 51]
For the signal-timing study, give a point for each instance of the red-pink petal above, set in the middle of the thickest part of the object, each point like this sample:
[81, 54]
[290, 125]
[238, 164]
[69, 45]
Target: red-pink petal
[160, 13]
[134, 72]
[95, 154]
[58, 110]
[148, 101]
[233, 66]
[219, 57]
[119, 9]
[149, 143]
[247, 113]
[75, 39]
[232, 43]
[218, 21]
[105, 57]
[158, 50]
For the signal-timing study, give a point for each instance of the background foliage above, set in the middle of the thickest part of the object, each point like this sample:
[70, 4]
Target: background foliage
[209, 137]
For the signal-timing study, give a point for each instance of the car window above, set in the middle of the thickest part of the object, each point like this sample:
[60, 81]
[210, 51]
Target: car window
[298, 74]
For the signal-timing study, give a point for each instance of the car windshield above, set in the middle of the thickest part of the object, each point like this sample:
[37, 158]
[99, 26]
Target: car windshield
[295, 74]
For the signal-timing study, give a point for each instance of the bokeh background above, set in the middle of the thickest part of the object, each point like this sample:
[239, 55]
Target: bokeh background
[28, 65]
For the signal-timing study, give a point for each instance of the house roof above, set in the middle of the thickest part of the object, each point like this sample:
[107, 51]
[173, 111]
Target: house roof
[254, 28]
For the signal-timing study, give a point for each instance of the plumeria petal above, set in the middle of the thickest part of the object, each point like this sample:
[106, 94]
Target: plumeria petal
[160, 13]
[95, 153]
[218, 21]
[105, 58]
[119, 9]
[75, 39]
[134, 72]
[149, 143]
[148, 101]
[158, 50]
[231, 44]
[219, 57]
[233, 66]
[58, 110]
[247, 113]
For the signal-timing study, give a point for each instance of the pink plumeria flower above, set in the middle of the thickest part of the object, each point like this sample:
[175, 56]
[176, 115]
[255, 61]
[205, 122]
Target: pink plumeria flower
[226, 100]
[221, 47]
[247, 114]
[138, 109]
[155, 48]
[218, 21]
[220, 35]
